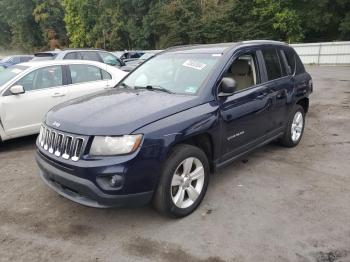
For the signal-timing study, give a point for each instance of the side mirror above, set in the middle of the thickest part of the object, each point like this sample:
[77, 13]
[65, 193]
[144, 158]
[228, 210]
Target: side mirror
[227, 87]
[17, 89]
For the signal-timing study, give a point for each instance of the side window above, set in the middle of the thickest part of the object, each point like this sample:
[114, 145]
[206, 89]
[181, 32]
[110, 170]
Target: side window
[72, 55]
[84, 73]
[109, 59]
[244, 70]
[89, 55]
[42, 78]
[290, 57]
[299, 65]
[106, 75]
[272, 63]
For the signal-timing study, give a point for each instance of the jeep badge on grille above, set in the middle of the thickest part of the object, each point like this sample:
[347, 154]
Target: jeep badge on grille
[56, 124]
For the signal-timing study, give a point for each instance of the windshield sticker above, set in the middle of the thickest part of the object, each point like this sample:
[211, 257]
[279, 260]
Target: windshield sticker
[194, 64]
[191, 89]
[16, 70]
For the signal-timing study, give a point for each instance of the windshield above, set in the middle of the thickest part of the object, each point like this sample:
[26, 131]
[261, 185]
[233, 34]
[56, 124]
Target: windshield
[177, 73]
[9, 73]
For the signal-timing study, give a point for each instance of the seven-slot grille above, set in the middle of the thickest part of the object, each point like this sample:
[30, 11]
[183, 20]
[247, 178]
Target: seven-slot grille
[60, 144]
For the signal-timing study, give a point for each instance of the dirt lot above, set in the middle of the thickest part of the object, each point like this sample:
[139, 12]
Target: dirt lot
[277, 204]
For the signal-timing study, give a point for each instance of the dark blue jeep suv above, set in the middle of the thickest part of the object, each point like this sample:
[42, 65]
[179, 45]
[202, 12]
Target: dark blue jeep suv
[158, 135]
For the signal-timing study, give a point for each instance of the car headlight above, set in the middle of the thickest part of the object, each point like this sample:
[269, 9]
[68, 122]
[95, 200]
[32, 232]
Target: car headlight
[114, 145]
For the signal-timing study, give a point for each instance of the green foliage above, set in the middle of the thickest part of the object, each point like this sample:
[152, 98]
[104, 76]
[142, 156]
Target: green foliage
[49, 14]
[345, 27]
[156, 24]
[25, 32]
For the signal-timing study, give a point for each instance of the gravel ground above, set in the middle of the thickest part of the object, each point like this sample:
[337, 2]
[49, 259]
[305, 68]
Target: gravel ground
[276, 204]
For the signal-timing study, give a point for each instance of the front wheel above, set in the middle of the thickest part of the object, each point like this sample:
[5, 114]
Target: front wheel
[295, 127]
[183, 182]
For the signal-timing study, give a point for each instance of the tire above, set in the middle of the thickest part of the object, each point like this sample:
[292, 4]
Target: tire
[176, 184]
[290, 138]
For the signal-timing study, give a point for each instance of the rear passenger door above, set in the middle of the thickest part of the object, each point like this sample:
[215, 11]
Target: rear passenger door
[279, 85]
[86, 79]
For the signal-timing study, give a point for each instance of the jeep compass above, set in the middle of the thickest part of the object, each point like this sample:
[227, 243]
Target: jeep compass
[159, 134]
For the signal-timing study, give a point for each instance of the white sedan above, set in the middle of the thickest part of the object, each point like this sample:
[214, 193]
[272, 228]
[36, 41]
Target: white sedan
[29, 90]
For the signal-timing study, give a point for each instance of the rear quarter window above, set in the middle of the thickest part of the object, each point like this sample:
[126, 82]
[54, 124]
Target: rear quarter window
[294, 61]
[300, 69]
[290, 57]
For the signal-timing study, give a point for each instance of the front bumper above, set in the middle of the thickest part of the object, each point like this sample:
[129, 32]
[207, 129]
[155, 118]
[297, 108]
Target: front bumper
[84, 191]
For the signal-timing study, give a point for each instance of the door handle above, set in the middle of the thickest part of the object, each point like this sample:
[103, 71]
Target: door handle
[266, 107]
[58, 94]
[262, 95]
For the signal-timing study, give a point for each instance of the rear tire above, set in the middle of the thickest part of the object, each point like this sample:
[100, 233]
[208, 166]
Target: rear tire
[183, 182]
[295, 128]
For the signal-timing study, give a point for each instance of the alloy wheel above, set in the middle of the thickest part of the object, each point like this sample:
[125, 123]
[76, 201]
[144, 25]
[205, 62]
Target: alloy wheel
[297, 126]
[187, 182]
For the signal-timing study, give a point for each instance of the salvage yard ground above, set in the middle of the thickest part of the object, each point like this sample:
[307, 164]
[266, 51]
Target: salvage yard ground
[275, 204]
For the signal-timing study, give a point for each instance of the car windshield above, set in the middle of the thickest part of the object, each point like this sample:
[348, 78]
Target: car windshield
[9, 73]
[177, 73]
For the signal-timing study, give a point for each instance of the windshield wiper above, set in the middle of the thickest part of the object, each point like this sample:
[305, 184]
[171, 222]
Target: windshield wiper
[154, 88]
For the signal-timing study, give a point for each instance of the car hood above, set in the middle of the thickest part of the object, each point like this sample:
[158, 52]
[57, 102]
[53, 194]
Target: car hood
[116, 111]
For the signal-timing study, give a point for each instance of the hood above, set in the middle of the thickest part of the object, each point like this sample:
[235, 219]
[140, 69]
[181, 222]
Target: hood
[116, 112]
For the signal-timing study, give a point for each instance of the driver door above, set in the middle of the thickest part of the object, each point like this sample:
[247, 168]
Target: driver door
[244, 115]
[22, 114]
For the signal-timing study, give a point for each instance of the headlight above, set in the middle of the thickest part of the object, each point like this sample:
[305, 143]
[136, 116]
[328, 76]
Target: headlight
[115, 145]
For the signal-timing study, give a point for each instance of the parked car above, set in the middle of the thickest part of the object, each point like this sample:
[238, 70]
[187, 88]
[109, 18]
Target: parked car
[129, 55]
[175, 119]
[29, 90]
[14, 60]
[131, 65]
[97, 55]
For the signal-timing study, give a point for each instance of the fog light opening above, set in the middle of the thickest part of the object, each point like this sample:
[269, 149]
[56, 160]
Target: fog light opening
[116, 181]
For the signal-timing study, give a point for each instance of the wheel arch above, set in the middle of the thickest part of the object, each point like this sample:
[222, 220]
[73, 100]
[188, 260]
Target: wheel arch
[304, 102]
[203, 141]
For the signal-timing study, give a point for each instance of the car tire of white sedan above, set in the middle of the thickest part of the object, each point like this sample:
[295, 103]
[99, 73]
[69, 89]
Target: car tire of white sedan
[295, 127]
[183, 182]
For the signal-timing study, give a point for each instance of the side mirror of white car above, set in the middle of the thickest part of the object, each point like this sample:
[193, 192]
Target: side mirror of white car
[17, 89]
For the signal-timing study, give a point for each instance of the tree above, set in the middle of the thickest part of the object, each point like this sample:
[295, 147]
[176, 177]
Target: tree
[49, 15]
[25, 31]
[345, 27]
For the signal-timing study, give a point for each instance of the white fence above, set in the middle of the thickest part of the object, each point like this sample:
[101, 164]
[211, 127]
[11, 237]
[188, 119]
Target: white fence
[328, 53]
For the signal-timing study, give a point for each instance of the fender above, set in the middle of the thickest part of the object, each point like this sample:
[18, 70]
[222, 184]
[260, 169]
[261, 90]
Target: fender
[179, 127]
